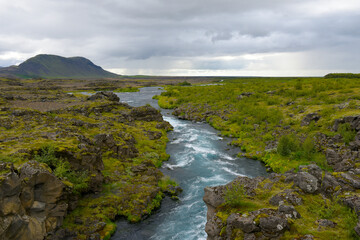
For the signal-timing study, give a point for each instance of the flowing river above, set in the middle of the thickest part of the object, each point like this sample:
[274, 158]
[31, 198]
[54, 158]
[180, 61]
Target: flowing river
[199, 158]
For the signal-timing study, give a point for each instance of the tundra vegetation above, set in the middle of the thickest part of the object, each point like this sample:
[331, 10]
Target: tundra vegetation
[71, 164]
[306, 131]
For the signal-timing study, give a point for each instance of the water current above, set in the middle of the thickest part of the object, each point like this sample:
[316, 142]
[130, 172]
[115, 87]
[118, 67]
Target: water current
[199, 158]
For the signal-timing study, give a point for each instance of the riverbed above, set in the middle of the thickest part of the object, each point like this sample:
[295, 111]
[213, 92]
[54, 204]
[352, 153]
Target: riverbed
[199, 158]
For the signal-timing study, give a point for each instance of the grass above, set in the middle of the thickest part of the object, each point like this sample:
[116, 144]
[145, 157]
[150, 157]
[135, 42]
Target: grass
[272, 113]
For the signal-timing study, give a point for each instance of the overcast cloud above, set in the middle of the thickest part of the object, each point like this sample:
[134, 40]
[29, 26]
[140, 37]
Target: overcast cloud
[188, 37]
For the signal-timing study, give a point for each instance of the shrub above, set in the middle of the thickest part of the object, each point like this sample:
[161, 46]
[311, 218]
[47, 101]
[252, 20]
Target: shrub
[47, 155]
[234, 195]
[287, 144]
[184, 83]
[165, 182]
[308, 148]
[346, 132]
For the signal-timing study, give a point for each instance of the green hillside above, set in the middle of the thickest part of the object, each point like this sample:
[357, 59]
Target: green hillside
[52, 66]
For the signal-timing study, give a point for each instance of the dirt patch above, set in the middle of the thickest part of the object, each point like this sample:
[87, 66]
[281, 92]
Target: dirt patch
[41, 106]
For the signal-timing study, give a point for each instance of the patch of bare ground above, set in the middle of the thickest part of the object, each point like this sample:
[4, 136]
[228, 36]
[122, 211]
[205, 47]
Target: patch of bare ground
[41, 106]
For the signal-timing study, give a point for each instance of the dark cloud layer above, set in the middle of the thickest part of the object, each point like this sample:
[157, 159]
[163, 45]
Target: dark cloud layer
[189, 37]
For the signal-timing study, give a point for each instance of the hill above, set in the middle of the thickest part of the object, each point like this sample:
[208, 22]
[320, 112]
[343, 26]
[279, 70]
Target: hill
[52, 66]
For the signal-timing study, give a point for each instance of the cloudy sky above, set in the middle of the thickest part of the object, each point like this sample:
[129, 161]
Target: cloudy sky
[188, 37]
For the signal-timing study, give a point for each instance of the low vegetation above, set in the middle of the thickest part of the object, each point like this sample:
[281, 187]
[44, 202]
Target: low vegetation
[264, 115]
[286, 123]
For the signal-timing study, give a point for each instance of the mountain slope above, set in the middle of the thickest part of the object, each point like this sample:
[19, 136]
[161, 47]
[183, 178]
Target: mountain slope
[52, 66]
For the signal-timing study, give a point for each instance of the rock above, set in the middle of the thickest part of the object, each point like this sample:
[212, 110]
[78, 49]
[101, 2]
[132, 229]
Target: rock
[309, 118]
[249, 236]
[110, 96]
[357, 228]
[313, 169]
[353, 180]
[307, 237]
[287, 195]
[10, 186]
[213, 197]
[154, 135]
[354, 122]
[244, 94]
[273, 226]
[306, 182]
[325, 223]
[332, 157]
[213, 227]
[246, 224]
[173, 190]
[146, 113]
[164, 125]
[33, 208]
[289, 211]
[353, 203]
[104, 141]
[329, 184]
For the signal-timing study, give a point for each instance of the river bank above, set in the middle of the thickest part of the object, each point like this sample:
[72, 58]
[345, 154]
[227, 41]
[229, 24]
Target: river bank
[288, 123]
[68, 171]
[199, 157]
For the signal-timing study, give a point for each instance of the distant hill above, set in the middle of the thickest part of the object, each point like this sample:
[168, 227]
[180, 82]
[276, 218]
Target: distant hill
[342, 75]
[52, 66]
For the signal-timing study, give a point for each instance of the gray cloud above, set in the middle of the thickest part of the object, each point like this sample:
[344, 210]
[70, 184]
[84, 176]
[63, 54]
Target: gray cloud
[170, 36]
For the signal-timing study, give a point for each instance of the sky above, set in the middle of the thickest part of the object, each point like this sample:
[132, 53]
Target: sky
[188, 37]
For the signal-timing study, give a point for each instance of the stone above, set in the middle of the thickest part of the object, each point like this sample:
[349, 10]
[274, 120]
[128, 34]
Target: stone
[353, 180]
[332, 156]
[10, 185]
[246, 224]
[289, 211]
[309, 118]
[325, 223]
[213, 197]
[357, 228]
[329, 184]
[146, 113]
[110, 96]
[287, 195]
[313, 169]
[353, 203]
[213, 227]
[306, 182]
[273, 226]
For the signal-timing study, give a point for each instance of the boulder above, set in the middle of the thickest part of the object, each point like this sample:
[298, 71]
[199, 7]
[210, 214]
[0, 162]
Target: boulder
[273, 226]
[146, 113]
[287, 195]
[33, 208]
[110, 96]
[213, 227]
[309, 118]
[332, 157]
[213, 197]
[289, 211]
[325, 223]
[246, 224]
[306, 182]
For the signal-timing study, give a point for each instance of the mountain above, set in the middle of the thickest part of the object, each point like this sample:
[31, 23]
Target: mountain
[52, 66]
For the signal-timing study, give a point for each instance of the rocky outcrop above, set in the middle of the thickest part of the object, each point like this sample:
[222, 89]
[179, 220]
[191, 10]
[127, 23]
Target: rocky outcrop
[146, 113]
[271, 223]
[311, 117]
[31, 202]
[110, 96]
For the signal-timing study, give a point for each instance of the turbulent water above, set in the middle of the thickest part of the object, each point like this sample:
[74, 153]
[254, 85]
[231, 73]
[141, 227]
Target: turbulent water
[199, 158]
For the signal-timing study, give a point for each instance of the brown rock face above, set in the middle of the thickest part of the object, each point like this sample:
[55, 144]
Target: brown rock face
[31, 203]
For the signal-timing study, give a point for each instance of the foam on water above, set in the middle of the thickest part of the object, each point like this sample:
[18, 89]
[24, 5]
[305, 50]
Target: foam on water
[199, 158]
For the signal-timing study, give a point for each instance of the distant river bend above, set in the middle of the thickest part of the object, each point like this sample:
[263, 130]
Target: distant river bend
[199, 158]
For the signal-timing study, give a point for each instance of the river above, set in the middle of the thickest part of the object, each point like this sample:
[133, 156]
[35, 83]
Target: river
[199, 158]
